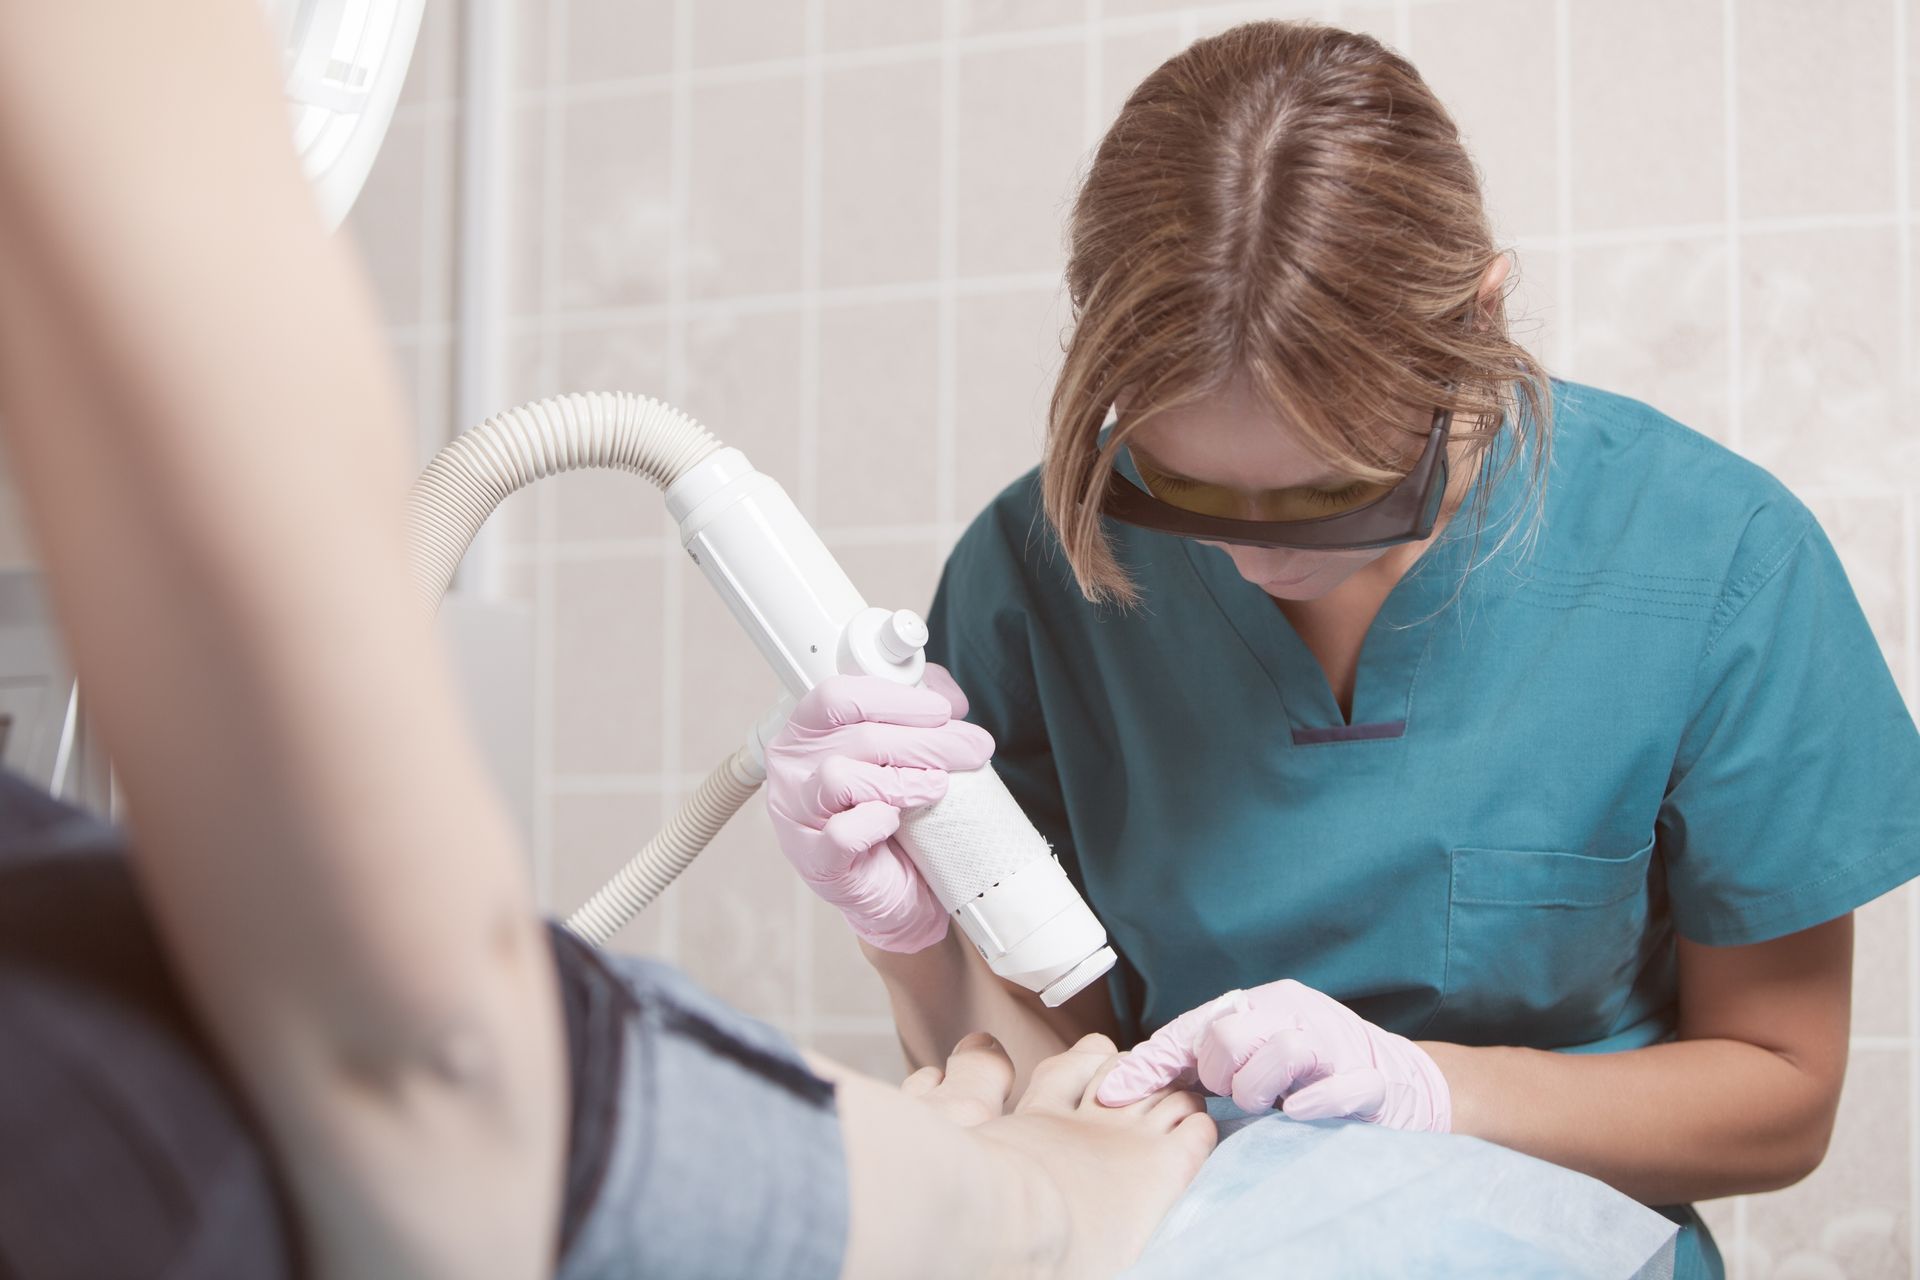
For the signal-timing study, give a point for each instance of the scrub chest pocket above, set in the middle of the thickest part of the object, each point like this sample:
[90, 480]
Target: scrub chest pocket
[1542, 948]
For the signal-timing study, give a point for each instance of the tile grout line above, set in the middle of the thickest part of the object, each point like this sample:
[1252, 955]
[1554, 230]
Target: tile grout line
[1729, 111]
[1563, 337]
[673, 575]
[1910, 512]
[546, 514]
[812, 205]
[587, 318]
[914, 51]
[436, 210]
[1910, 530]
[734, 305]
[1092, 76]
[947, 314]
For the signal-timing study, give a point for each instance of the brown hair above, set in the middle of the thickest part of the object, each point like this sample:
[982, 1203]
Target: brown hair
[1290, 200]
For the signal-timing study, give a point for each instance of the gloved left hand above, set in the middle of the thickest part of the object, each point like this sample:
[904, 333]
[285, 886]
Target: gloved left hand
[1287, 1043]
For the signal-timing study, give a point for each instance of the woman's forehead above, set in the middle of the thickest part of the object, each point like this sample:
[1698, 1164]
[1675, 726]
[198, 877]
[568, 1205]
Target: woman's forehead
[1230, 436]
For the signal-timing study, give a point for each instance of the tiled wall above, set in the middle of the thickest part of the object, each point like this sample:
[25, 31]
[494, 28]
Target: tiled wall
[832, 229]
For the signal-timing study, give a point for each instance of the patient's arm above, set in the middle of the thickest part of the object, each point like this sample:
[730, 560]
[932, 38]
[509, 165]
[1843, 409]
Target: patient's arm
[208, 440]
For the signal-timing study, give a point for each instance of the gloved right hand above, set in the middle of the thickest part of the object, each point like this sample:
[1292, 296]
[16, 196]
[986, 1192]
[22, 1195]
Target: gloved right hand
[856, 751]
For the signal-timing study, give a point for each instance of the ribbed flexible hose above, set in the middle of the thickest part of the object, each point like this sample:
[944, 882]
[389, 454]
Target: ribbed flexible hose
[651, 870]
[472, 476]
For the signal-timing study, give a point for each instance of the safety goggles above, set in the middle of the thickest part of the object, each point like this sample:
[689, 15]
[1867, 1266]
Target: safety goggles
[1405, 513]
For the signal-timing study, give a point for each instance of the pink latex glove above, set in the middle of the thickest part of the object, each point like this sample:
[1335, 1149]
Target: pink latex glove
[856, 751]
[1287, 1041]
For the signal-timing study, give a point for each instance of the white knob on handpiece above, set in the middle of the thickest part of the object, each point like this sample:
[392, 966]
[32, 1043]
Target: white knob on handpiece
[903, 635]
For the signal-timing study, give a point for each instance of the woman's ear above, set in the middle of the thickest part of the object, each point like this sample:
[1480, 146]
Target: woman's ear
[1493, 283]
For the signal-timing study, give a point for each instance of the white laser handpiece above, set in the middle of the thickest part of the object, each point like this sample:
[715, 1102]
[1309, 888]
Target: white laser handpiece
[977, 850]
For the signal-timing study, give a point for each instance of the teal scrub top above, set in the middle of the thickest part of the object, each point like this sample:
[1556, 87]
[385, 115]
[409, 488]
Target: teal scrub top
[1665, 714]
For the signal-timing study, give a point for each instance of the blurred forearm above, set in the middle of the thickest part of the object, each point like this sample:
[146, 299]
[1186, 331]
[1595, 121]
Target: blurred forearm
[947, 991]
[208, 441]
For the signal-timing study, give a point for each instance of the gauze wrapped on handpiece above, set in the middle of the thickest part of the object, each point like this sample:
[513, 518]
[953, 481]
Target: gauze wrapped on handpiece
[975, 848]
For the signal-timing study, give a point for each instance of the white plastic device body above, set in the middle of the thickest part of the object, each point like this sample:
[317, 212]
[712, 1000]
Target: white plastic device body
[978, 852]
[345, 61]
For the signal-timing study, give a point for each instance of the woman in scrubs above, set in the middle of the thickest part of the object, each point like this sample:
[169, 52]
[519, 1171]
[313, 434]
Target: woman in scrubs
[1416, 781]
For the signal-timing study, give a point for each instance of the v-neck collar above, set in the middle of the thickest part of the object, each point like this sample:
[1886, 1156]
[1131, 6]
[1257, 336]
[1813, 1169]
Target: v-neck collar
[1391, 655]
[1398, 642]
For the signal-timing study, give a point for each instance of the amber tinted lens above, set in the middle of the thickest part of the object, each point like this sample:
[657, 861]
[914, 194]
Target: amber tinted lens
[1271, 505]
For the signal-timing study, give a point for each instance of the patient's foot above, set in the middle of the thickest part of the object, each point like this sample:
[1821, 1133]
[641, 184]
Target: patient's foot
[974, 1086]
[1109, 1173]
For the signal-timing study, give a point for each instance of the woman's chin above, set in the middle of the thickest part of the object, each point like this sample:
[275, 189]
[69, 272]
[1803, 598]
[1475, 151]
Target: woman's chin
[1309, 588]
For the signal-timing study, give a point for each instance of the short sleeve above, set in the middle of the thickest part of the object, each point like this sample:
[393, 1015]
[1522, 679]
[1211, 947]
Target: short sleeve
[1795, 795]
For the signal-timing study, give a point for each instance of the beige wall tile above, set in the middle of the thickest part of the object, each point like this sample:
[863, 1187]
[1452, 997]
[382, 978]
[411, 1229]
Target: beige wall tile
[628, 356]
[844, 984]
[899, 574]
[726, 684]
[442, 234]
[601, 503]
[433, 398]
[1851, 1217]
[980, 17]
[535, 169]
[606, 666]
[1819, 354]
[1492, 64]
[1650, 321]
[878, 379]
[593, 837]
[520, 583]
[1008, 354]
[1913, 108]
[1130, 8]
[1648, 107]
[592, 505]
[1882, 966]
[532, 39]
[1869, 534]
[876, 24]
[618, 39]
[528, 372]
[738, 910]
[1021, 142]
[1381, 21]
[726, 32]
[1815, 104]
[1533, 306]
[388, 222]
[615, 216]
[1126, 60]
[743, 382]
[432, 77]
[743, 215]
[877, 1055]
[880, 178]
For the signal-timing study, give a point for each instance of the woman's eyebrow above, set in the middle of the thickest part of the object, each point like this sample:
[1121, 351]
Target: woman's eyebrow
[1323, 480]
